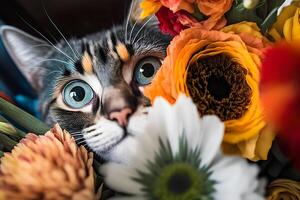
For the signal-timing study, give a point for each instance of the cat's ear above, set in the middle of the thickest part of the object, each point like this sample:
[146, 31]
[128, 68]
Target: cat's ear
[27, 52]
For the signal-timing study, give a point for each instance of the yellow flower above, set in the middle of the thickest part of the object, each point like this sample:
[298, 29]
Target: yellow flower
[220, 71]
[149, 7]
[287, 25]
[47, 167]
[283, 189]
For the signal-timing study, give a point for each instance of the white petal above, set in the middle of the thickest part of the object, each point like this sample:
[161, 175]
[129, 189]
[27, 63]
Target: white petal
[235, 177]
[146, 150]
[213, 132]
[252, 196]
[164, 122]
[189, 117]
[127, 198]
[119, 178]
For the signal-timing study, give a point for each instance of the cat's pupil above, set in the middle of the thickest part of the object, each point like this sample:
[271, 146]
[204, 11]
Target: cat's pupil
[147, 70]
[77, 93]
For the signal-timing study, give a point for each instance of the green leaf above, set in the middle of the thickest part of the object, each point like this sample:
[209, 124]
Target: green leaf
[7, 143]
[267, 7]
[238, 14]
[198, 14]
[269, 21]
[23, 118]
[274, 4]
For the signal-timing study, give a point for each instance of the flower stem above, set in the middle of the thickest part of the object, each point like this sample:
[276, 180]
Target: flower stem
[7, 142]
[23, 118]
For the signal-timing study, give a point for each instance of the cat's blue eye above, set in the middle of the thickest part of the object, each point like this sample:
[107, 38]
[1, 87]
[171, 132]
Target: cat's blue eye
[146, 69]
[77, 94]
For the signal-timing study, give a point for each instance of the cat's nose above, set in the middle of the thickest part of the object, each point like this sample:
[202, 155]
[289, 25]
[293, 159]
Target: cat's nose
[121, 116]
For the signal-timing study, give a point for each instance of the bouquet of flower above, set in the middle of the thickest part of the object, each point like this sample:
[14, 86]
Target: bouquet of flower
[224, 120]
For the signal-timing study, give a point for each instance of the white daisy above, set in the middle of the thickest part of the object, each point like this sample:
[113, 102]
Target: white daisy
[178, 157]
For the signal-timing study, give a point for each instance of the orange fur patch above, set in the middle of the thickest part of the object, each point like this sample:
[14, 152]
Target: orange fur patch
[87, 63]
[123, 52]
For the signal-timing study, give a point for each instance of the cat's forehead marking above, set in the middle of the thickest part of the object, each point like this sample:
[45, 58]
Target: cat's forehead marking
[87, 63]
[123, 52]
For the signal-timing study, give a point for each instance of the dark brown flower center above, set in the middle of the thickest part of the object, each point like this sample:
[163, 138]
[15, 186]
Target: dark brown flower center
[218, 86]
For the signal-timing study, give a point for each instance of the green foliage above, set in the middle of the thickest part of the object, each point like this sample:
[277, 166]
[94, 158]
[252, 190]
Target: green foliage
[23, 118]
[264, 14]
[198, 14]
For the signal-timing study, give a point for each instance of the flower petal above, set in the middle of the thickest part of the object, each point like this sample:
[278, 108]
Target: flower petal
[119, 177]
[163, 118]
[228, 172]
[128, 198]
[189, 117]
[213, 131]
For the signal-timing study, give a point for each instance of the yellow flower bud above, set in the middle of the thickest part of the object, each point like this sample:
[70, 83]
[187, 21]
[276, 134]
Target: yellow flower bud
[250, 4]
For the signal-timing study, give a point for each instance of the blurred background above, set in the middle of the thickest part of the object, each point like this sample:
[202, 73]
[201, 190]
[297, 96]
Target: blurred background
[75, 18]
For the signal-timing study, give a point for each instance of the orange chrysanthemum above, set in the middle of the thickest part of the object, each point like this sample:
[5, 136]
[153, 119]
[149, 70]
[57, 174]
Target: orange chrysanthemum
[220, 70]
[47, 167]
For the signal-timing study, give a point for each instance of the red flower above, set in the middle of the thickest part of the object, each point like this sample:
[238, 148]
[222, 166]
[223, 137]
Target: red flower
[168, 21]
[280, 95]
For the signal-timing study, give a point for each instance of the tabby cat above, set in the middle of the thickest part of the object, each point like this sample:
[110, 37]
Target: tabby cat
[91, 86]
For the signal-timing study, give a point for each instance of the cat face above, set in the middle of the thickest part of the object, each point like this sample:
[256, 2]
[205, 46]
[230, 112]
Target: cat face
[91, 86]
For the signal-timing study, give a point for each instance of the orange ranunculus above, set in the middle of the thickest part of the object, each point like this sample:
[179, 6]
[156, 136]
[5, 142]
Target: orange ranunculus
[176, 5]
[150, 7]
[214, 10]
[220, 71]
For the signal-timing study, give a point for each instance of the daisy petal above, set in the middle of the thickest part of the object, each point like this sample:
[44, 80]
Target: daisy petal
[128, 198]
[228, 173]
[119, 177]
[188, 116]
[213, 132]
[166, 121]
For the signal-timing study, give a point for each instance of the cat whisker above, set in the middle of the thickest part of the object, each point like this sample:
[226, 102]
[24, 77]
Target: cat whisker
[97, 142]
[76, 56]
[89, 135]
[88, 129]
[79, 134]
[76, 133]
[47, 40]
[82, 143]
[132, 29]
[140, 39]
[79, 139]
[127, 21]
[52, 59]
[142, 28]
[53, 72]
[100, 136]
